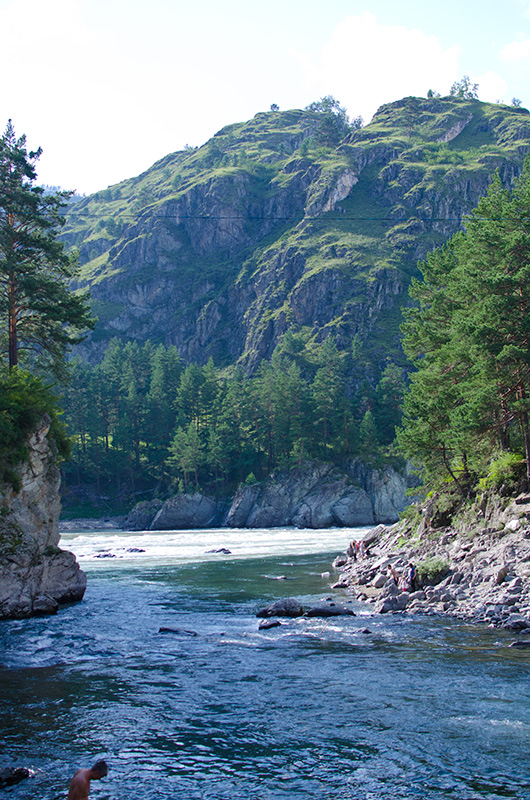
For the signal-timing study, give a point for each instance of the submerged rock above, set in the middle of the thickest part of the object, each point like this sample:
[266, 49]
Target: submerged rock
[177, 631]
[329, 611]
[269, 623]
[288, 607]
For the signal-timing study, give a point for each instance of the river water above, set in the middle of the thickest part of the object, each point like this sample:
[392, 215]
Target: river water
[415, 708]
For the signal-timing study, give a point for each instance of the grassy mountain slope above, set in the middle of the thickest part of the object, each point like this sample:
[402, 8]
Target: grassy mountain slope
[222, 249]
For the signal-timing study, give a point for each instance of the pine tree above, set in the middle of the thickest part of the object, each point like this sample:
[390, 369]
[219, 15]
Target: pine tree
[39, 314]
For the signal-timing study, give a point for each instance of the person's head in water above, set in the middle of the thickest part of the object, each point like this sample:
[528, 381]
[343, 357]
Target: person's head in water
[100, 769]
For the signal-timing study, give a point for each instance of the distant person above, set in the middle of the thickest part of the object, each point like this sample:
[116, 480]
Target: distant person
[80, 783]
[412, 577]
[394, 574]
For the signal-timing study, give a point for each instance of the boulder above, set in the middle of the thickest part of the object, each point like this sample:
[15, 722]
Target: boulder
[329, 611]
[11, 775]
[266, 624]
[142, 515]
[288, 607]
[185, 512]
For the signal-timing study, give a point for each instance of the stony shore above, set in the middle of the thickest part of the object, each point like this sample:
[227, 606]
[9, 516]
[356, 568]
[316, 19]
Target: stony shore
[477, 571]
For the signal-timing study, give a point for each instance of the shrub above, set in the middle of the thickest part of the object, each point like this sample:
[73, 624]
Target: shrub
[24, 400]
[506, 470]
[432, 570]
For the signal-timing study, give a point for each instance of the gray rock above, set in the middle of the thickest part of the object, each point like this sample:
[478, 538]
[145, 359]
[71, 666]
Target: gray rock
[329, 611]
[379, 580]
[267, 624]
[317, 495]
[35, 574]
[288, 607]
[185, 512]
[142, 515]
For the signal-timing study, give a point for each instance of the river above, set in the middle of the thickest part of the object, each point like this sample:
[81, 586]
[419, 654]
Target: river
[418, 707]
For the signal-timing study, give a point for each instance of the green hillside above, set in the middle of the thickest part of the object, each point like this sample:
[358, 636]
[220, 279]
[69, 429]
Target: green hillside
[267, 228]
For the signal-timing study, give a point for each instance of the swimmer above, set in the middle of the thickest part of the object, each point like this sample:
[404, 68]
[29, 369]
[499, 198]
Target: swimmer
[80, 783]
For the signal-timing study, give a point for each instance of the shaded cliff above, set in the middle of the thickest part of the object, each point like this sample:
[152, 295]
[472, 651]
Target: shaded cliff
[314, 495]
[222, 249]
[35, 574]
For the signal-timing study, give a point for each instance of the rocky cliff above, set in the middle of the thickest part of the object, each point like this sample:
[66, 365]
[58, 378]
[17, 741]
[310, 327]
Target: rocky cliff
[315, 495]
[35, 574]
[222, 249]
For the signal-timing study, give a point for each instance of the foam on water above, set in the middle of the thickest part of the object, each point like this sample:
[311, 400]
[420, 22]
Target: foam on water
[96, 549]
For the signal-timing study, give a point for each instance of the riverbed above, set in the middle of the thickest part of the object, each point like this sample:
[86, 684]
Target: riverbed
[370, 707]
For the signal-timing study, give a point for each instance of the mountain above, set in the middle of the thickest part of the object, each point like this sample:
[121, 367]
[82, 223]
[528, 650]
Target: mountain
[270, 226]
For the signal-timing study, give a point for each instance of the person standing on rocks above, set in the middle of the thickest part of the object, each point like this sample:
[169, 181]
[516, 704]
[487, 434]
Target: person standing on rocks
[394, 574]
[412, 577]
[80, 783]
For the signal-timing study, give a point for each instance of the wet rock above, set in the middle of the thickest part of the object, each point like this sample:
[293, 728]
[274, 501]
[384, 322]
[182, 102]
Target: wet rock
[287, 607]
[177, 631]
[329, 611]
[269, 623]
[520, 644]
[44, 605]
[223, 550]
[12, 775]
[515, 623]
[342, 584]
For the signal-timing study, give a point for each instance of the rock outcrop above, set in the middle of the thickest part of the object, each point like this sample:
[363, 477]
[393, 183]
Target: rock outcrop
[315, 495]
[186, 511]
[320, 495]
[35, 574]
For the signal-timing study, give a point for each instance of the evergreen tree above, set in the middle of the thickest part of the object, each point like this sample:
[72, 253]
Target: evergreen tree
[38, 313]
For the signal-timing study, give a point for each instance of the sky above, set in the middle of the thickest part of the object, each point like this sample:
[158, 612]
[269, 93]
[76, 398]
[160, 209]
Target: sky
[107, 87]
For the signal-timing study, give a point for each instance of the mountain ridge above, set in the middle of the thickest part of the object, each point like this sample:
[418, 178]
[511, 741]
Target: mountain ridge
[222, 249]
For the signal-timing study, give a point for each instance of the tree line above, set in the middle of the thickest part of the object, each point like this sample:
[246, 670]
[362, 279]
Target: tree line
[141, 419]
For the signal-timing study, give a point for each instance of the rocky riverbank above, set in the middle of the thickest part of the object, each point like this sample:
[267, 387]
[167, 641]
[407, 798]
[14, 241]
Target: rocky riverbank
[314, 495]
[478, 570]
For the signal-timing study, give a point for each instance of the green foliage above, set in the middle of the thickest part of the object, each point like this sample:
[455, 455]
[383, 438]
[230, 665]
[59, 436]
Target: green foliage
[40, 317]
[469, 338]
[464, 89]
[506, 470]
[432, 570]
[24, 400]
[139, 419]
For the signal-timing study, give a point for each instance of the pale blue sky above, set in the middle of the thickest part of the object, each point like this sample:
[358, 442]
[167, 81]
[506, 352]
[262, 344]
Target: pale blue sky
[107, 87]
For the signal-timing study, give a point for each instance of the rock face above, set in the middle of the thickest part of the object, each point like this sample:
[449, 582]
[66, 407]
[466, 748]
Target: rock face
[321, 496]
[314, 495]
[221, 250]
[35, 574]
[185, 511]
